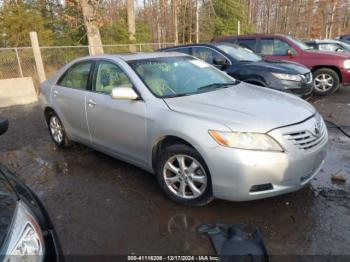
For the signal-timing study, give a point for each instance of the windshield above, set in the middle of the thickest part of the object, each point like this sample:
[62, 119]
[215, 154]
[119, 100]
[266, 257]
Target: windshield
[300, 44]
[178, 76]
[239, 53]
[346, 46]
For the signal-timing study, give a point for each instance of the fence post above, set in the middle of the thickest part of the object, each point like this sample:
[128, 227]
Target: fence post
[19, 63]
[37, 56]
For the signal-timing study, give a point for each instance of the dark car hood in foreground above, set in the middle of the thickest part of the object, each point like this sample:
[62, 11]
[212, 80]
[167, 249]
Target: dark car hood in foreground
[245, 107]
[8, 203]
[277, 66]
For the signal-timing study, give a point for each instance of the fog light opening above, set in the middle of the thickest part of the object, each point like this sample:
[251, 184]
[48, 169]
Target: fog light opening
[261, 187]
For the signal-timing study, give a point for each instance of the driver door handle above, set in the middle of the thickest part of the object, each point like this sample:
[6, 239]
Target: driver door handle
[55, 93]
[91, 103]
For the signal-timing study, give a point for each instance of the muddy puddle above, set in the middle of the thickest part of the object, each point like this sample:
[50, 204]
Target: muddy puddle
[100, 205]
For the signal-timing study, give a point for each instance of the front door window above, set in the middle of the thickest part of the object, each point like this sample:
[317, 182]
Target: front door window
[110, 76]
[275, 47]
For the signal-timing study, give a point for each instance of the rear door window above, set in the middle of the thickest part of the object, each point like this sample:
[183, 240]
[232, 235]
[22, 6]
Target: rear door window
[77, 76]
[208, 55]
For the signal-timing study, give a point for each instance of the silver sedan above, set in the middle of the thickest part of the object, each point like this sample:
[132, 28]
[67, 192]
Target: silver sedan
[202, 133]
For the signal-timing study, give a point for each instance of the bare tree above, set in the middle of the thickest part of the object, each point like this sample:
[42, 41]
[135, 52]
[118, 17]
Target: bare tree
[131, 24]
[175, 21]
[197, 21]
[331, 22]
[89, 9]
[131, 20]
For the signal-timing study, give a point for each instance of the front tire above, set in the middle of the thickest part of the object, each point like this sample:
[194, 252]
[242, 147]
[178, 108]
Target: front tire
[57, 131]
[326, 82]
[183, 176]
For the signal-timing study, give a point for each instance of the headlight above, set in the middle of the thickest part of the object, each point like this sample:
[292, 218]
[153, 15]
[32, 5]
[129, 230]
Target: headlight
[287, 77]
[251, 141]
[347, 64]
[25, 242]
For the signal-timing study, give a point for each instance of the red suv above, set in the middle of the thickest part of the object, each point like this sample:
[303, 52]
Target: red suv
[330, 70]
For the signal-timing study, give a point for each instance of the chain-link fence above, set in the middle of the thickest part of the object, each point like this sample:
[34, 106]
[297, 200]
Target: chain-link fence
[19, 62]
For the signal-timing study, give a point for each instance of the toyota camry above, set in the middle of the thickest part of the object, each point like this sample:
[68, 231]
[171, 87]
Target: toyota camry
[201, 132]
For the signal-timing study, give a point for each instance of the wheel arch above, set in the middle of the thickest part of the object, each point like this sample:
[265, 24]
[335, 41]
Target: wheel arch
[334, 68]
[166, 141]
[47, 112]
[255, 82]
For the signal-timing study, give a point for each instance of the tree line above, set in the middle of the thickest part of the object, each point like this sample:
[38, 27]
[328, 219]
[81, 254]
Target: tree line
[305, 19]
[77, 22]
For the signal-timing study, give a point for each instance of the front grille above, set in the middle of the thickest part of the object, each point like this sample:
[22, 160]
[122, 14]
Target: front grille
[306, 139]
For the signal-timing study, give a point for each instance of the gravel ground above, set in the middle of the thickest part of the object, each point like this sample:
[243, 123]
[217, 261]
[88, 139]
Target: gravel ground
[100, 205]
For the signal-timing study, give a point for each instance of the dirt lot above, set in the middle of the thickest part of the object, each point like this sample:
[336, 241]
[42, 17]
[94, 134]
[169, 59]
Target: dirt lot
[100, 205]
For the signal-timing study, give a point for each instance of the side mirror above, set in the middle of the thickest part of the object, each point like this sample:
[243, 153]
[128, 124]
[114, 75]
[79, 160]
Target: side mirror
[4, 124]
[339, 50]
[220, 61]
[290, 52]
[124, 93]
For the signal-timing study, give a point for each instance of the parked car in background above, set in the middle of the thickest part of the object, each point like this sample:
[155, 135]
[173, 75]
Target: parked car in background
[26, 232]
[203, 133]
[246, 66]
[329, 45]
[344, 38]
[329, 69]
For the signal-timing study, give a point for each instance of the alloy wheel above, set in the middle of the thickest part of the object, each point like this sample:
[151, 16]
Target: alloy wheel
[56, 129]
[185, 176]
[323, 82]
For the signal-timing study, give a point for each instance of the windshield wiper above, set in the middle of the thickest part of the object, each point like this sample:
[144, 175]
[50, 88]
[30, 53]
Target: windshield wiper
[203, 88]
[216, 85]
[177, 95]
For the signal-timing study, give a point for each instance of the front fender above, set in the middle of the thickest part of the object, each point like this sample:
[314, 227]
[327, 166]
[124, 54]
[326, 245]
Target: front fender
[193, 130]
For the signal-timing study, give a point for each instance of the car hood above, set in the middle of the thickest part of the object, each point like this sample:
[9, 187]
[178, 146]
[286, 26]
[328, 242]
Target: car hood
[8, 203]
[277, 66]
[244, 107]
[326, 54]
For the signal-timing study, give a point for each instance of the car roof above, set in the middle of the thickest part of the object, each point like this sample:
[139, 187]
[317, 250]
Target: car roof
[214, 44]
[134, 56]
[248, 36]
[188, 45]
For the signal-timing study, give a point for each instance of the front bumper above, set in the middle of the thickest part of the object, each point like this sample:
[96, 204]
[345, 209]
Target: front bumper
[345, 76]
[300, 89]
[235, 172]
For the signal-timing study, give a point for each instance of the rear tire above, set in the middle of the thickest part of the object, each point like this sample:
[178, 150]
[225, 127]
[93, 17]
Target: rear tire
[57, 131]
[326, 82]
[183, 175]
